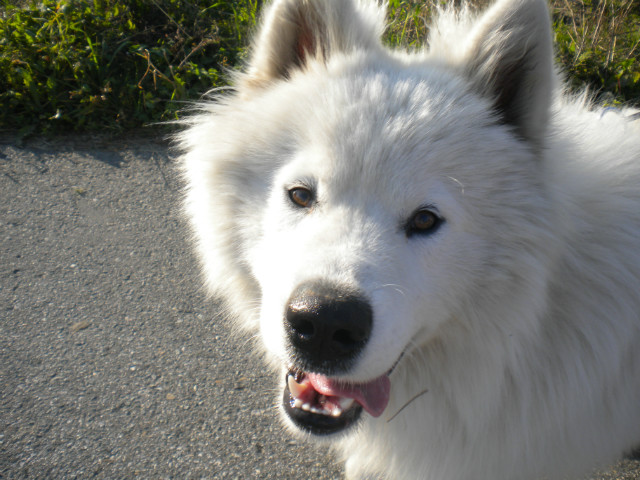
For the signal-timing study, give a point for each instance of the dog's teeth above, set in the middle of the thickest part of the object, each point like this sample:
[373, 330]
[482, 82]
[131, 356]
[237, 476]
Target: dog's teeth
[306, 407]
[295, 388]
[336, 412]
[297, 403]
[345, 403]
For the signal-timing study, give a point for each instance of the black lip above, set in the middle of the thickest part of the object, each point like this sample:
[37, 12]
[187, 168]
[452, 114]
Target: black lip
[318, 424]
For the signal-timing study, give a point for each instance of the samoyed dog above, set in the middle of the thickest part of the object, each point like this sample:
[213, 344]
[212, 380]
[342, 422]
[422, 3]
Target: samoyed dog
[440, 250]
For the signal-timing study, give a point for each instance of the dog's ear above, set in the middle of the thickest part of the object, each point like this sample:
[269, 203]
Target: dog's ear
[510, 60]
[293, 33]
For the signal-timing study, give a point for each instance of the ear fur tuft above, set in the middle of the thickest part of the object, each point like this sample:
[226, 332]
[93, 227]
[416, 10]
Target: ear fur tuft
[294, 32]
[510, 60]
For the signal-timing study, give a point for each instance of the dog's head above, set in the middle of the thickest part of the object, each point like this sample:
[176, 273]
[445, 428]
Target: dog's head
[356, 204]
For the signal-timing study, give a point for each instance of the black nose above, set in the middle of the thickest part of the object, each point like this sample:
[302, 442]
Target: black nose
[327, 327]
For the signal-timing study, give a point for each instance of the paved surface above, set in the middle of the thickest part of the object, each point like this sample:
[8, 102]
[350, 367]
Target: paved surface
[112, 362]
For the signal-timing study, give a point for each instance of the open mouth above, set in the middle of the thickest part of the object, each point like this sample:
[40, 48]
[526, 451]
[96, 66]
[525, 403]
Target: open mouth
[322, 406]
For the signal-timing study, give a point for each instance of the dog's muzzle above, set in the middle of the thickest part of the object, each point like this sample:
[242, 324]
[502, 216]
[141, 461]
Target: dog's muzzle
[327, 328]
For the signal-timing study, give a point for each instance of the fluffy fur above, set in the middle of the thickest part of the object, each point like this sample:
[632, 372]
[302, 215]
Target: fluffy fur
[519, 316]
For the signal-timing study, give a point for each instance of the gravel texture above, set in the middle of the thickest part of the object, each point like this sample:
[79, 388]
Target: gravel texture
[113, 363]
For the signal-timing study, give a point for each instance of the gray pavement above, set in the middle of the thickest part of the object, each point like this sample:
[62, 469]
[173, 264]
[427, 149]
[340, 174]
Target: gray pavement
[113, 364]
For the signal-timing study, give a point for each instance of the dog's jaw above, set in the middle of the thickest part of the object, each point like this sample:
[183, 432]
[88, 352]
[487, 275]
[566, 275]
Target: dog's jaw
[322, 406]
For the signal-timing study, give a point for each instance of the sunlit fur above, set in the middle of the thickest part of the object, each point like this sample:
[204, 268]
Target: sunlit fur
[520, 315]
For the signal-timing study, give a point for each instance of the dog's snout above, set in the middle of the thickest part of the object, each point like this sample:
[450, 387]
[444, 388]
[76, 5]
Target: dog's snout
[327, 327]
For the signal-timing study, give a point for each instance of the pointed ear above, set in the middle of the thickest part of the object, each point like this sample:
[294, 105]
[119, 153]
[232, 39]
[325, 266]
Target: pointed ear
[510, 60]
[294, 32]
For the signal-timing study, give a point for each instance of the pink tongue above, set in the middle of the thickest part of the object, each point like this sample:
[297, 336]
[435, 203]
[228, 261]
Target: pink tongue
[373, 395]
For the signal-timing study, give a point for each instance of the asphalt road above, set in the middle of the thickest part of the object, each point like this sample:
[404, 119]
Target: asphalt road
[113, 364]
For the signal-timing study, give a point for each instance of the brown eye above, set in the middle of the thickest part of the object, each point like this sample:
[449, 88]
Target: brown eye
[301, 196]
[423, 222]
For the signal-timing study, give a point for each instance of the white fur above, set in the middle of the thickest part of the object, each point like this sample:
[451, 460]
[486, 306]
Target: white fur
[520, 315]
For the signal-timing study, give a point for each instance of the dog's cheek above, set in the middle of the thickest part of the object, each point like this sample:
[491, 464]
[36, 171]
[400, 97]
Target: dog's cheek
[271, 316]
[421, 295]
[271, 332]
[270, 266]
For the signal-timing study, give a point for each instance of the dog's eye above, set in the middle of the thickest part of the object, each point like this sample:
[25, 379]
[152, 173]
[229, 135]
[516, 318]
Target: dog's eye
[301, 196]
[423, 221]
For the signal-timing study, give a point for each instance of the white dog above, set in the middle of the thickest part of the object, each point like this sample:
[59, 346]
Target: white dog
[441, 250]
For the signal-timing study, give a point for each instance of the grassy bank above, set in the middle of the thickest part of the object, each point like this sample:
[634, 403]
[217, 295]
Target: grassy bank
[89, 65]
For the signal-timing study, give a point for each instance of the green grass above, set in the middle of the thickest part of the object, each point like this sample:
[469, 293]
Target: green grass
[95, 65]
[598, 44]
[113, 64]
